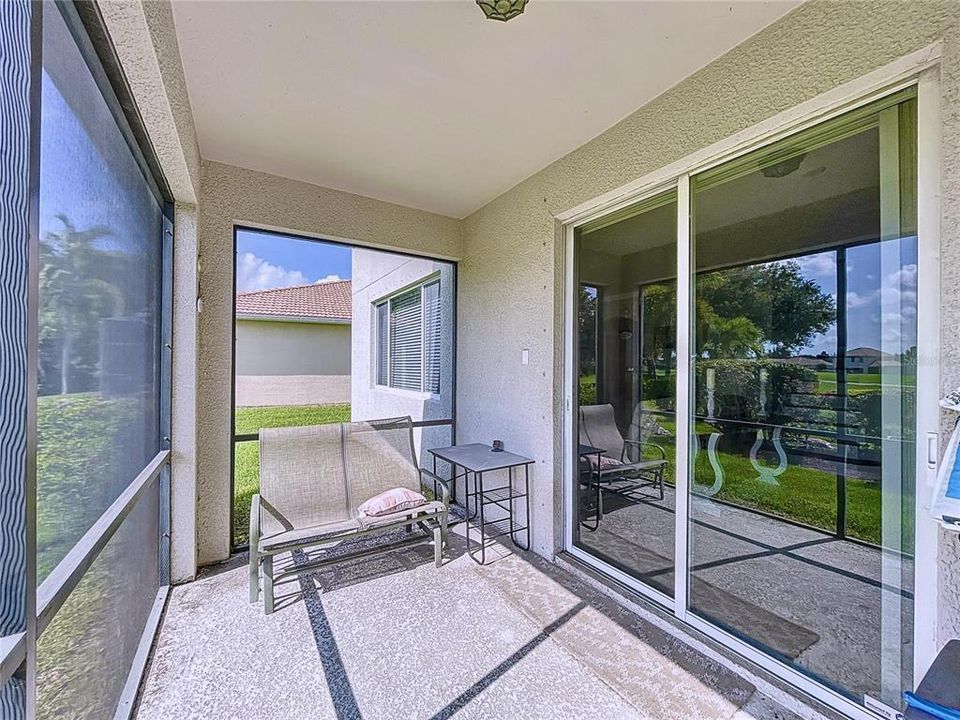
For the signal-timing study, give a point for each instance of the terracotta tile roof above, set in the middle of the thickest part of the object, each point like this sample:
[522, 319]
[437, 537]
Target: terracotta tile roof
[322, 301]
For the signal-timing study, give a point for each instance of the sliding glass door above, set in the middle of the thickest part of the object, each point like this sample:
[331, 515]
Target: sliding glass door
[791, 532]
[626, 383]
[804, 373]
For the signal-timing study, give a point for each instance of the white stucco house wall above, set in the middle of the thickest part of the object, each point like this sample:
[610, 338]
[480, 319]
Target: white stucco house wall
[293, 345]
[379, 278]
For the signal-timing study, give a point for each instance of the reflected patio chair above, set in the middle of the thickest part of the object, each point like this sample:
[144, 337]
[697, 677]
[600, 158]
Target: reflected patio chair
[622, 459]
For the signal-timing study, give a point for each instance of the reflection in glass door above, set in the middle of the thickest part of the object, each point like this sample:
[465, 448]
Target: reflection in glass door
[803, 406]
[626, 383]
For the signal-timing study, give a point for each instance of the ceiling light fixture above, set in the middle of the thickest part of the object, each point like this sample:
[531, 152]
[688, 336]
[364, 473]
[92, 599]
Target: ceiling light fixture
[782, 168]
[502, 10]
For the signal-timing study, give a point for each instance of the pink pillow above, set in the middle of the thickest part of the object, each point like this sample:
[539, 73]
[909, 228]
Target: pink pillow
[391, 501]
[606, 463]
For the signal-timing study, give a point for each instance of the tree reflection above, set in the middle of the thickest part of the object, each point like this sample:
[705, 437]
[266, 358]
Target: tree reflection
[77, 290]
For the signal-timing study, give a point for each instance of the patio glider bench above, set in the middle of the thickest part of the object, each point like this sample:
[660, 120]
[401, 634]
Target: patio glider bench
[622, 459]
[312, 482]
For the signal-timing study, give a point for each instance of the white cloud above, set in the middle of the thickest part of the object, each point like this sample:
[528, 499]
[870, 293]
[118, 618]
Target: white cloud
[821, 265]
[855, 300]
[824, 342]
[255, 273]
[329, 278]
[898, 292]
[899, 307]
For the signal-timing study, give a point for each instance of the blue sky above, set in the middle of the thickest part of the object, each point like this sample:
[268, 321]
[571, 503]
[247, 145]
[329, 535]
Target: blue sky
[881, 307]
[267, 260]
[92, 181]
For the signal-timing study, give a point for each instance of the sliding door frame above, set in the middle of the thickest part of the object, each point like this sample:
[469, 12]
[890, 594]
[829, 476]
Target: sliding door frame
[920, 70]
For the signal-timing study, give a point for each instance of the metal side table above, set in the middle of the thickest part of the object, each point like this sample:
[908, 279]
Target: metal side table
[477, 459]
[584, 452]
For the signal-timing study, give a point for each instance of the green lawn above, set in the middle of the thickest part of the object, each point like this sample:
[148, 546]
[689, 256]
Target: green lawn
[246, 471]
[85, 457]
[804, 495]
[857, 383]
[588, 389]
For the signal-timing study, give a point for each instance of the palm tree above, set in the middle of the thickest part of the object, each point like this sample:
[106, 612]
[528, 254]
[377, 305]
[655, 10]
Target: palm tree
[75, 293]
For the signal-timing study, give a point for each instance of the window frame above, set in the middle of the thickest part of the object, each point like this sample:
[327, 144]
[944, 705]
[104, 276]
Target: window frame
[387, 301]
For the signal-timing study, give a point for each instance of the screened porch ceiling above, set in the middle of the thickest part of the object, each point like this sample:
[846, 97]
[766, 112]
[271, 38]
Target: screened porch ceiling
[428, 104]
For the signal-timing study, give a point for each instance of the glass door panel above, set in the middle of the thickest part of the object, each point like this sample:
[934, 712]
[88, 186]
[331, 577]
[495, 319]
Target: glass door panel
[626, 384]
[803, 403]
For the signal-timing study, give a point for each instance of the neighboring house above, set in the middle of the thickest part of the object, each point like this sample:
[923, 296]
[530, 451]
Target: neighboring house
[866, 360]
[293, 345]
[402, 340]
[858, 361]
[814, 363]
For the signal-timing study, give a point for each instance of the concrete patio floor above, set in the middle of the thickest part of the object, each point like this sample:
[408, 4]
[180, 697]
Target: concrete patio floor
[395, 637]
[804, 593]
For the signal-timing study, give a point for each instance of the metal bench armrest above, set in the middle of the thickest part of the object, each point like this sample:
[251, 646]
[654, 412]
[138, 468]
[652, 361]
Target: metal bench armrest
[642, 466]
[642, 444]
[444, 484]
[254, 520]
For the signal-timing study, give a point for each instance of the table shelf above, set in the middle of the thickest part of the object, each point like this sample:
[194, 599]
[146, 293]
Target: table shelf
[500, 495]
[501, 528]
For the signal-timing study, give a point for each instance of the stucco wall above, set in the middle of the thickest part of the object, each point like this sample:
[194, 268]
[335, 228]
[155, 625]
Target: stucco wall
[183, 410]
[292, 363]
[285, 348]
[511, 275]
[229, 196]
[377, 275]
[145, 39]
[274, 390]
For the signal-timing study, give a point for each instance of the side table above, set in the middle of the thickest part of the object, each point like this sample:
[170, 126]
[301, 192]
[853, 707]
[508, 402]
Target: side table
[585, 451]
[477, 459]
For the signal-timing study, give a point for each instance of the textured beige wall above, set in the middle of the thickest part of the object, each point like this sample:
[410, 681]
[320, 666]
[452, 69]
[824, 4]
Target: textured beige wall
[146, 42]
[272, 390]
[949, 576]
[268, 347]
[511, 275]
[230, 196]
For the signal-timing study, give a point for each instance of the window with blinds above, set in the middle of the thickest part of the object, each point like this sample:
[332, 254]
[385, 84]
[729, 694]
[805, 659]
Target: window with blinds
[408, 339]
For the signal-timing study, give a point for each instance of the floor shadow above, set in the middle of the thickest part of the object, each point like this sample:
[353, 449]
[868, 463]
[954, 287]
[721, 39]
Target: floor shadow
[491, 677]
[401, 552]
[617, 497]
[232, 563]
[341, 691]
[347, 573]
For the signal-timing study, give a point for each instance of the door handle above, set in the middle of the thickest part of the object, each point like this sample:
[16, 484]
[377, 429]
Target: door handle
[932, 450]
